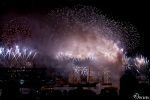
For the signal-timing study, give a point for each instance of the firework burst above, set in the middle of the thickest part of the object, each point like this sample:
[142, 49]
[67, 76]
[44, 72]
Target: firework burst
[78, 37]
[141, 61]
[16, 31]
[16, 57]
[81, 37]
[87, 20]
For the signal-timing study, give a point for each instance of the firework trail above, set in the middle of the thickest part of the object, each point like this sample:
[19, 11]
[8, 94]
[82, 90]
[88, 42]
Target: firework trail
[16, 57]
[82, 70]
[77, 37]
[141, 62]
[137, 65]
[81, 32]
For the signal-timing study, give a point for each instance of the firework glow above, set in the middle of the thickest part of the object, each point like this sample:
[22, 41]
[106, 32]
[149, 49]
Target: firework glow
[141, 61]
[16, 57]
[16, 31]
[80, 38]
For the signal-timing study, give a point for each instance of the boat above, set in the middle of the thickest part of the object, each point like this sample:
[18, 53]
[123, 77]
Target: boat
[84, 85]
[106, 83]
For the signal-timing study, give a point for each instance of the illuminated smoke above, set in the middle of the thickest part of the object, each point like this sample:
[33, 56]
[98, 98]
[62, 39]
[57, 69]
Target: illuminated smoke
[16, 57]
[141, 61]
[81, 37]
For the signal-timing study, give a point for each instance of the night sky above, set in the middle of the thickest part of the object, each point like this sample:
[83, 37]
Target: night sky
[136, 13]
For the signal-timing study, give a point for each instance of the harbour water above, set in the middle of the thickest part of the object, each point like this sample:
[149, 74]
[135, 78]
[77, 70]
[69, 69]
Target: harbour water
[96, 89]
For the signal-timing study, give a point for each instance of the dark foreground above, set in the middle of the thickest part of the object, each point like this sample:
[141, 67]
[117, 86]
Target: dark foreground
[130, 88]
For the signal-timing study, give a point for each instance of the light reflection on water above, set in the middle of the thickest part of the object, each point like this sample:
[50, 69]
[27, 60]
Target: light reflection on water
[96, 89]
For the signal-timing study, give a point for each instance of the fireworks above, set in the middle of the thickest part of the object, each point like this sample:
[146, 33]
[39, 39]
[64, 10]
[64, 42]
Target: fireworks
[81, 36]
[138, 64]
[81, 70]
[75, 39]
[16, 31]
[82, 32]
[142, 64]
[84, 24]
[16, 57]
[141, 61]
